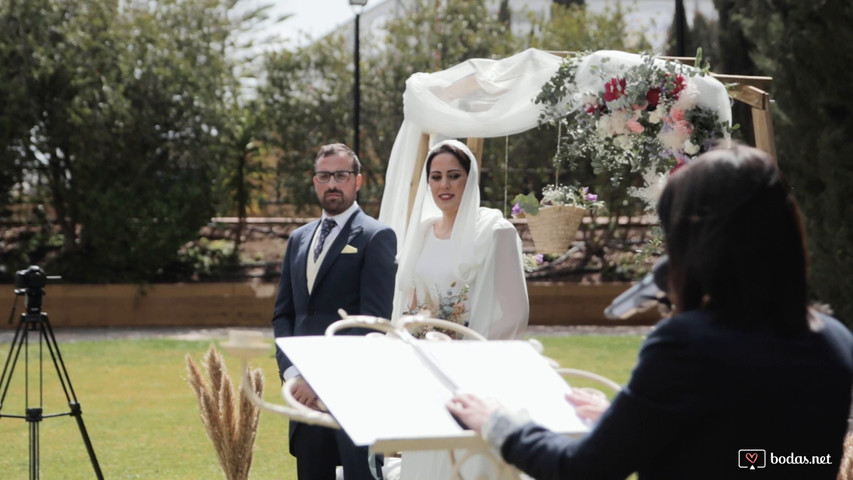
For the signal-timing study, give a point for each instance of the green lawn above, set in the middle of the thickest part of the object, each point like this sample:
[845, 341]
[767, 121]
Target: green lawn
[143, 419]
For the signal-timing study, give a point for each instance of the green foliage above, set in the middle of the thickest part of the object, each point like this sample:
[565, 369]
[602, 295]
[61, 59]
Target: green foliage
[206, 260]
[575, 28]
[635, 264]
[804, 47]
[306, 103]
[704, 35]
[125, 126]
[528, 203]
[433, 37]
[129, 127]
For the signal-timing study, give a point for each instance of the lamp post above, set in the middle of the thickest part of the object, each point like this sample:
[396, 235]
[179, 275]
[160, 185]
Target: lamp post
[680, 29]
[357, 6]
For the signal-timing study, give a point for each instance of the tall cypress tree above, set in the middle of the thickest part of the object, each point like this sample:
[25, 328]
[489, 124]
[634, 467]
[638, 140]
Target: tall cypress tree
[804, 46]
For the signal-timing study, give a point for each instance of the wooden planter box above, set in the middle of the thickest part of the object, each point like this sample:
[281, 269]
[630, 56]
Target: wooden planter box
[251, 304]
[563, 303]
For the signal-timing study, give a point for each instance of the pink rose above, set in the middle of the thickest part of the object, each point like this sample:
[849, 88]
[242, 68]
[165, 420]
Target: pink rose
[683, 128]
[635, 126]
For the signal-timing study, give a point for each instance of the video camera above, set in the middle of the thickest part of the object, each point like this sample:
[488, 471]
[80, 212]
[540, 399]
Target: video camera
[31, 282]
[31, 278]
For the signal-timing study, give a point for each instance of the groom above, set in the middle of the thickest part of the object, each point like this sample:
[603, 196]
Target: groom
[344, 260]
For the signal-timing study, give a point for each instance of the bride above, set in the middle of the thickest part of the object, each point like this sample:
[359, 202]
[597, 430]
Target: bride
[463, 263]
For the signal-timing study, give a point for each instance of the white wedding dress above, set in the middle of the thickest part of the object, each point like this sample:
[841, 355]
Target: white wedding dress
[435, 282]
[434, 278]
[482, 260]
[497, 306]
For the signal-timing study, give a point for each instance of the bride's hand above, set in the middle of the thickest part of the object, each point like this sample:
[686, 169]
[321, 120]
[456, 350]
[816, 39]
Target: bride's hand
[589, 403]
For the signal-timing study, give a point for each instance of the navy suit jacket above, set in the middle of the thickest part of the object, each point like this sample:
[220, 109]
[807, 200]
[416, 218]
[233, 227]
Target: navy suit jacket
[361, 283]
[700, 393]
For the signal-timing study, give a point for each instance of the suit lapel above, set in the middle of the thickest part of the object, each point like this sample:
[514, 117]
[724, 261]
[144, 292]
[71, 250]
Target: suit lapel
[349, 232]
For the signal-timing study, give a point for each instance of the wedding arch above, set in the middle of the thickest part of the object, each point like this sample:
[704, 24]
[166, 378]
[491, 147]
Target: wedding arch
[485, 98]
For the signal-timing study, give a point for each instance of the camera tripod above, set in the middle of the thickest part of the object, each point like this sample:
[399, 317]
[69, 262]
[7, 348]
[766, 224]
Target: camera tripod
[36, 323]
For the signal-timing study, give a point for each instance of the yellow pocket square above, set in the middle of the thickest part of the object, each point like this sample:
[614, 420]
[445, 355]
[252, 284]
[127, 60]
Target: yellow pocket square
[349, 249]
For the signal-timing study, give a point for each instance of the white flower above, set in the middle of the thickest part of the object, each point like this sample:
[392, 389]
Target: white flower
[690, 148]
[624, 141]
[688, 97]
[649, 194]
[673, 140]
[656, 116]
[605, 125]
[589, 99]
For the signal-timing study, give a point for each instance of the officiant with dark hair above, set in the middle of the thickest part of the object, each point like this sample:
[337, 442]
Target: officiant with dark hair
[744, 379]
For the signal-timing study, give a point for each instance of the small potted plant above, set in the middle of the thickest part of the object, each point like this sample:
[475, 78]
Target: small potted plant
[555, 220]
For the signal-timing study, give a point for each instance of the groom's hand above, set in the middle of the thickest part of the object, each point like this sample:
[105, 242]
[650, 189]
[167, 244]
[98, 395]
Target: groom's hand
[303, 393]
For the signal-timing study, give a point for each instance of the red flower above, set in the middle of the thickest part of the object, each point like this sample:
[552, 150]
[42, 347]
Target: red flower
[653, 97]
[614, 89]
[679, 162]
[680, 84]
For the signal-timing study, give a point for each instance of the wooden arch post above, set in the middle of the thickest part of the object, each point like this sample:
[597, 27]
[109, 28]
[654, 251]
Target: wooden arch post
[753, 92]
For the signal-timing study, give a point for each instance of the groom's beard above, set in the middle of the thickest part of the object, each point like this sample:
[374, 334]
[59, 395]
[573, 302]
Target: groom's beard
[335, 201]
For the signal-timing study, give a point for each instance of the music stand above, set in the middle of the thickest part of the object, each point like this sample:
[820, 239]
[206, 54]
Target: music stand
[30, 282]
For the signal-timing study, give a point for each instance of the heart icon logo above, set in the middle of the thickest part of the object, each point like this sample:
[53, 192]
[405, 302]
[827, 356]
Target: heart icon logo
[751, 457]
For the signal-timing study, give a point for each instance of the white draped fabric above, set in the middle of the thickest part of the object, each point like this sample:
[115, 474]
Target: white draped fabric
[477, 98]
[486, 98]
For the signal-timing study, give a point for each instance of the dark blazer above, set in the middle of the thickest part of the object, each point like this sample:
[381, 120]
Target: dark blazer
[361, 283]
[700, 393]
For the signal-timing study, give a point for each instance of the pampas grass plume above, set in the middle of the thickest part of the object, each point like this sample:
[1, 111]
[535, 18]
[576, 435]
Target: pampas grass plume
[231, 423]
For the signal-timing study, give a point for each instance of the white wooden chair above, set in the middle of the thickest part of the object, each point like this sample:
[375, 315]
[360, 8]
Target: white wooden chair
[402, 328]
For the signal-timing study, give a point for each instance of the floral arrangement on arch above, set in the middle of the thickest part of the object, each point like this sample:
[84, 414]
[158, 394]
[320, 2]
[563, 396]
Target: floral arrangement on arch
[645, 118]
[451, 306]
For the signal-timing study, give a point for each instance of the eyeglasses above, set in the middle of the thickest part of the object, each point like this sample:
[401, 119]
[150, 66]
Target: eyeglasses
[341, 176]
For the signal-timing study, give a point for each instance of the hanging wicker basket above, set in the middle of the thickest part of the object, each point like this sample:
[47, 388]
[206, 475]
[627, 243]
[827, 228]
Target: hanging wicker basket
[554, 227]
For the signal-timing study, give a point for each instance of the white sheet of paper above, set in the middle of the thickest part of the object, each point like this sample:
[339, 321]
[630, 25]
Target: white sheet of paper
[515, 374]
[378, 388]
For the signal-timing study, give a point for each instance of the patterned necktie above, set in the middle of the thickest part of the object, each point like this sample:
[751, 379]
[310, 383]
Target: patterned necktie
[328, 225]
